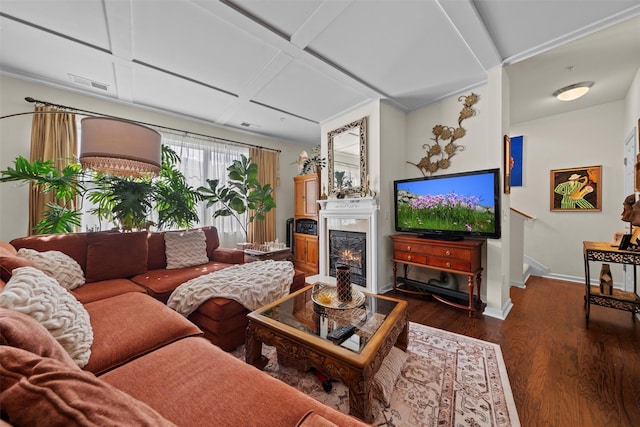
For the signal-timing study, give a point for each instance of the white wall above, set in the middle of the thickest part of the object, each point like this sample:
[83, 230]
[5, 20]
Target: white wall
[391, 164]
[632, 107]
[15, 140]
[592, 136]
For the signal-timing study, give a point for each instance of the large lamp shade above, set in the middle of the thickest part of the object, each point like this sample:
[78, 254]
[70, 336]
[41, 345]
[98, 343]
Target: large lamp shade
[119, 147]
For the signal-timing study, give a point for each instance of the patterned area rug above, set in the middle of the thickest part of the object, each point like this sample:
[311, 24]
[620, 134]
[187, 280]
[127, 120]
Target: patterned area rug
[447, 380]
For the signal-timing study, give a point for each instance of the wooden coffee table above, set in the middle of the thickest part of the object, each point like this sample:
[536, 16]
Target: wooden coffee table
[297, 326]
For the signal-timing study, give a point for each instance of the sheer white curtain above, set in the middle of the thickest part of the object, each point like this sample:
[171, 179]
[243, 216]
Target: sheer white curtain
[206, 159]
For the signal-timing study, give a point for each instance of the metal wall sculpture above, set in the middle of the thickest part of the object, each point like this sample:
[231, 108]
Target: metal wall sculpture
[439, 157]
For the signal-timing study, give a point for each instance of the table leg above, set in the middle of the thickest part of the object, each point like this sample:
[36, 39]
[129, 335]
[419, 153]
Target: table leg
[395, 277]
[403, 339]
[360, 401]
[587, 293]
[479, 302]
[253, 349]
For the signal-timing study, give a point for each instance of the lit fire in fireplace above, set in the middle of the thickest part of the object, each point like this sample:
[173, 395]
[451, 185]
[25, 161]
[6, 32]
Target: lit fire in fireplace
[348, 248]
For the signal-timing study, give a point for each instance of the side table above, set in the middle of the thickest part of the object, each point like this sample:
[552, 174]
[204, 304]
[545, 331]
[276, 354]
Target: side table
[284, 254]
[620, 300]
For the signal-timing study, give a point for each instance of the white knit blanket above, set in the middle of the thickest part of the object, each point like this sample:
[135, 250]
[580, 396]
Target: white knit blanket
[253, 285]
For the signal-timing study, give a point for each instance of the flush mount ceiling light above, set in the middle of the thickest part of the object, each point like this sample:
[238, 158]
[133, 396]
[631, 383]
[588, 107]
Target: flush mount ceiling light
[574, 91]
[119, 147]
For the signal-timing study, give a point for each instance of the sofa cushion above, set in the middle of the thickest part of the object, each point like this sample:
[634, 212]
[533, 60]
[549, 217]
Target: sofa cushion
[105, 289]
[160, 283]
[156, 257]
[129, 325]
[219, 390]
[185, 248]
[213, 241]
[22, 331]
[311, 419]
[7, 249]
[8, 263]
[115, 255]
[56, 264]
[32, 292]
[72, 244]
[38, 390]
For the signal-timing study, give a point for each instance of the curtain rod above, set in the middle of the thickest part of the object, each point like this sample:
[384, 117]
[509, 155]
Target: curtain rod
[74, 109]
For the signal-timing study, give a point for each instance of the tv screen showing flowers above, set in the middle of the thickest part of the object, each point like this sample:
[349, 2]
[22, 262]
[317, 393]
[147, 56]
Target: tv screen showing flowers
[450, 206]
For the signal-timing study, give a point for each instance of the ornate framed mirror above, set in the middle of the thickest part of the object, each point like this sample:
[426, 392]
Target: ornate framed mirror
[347, 158]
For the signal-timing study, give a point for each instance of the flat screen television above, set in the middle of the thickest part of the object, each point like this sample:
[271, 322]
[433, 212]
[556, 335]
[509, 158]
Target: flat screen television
[450, 207]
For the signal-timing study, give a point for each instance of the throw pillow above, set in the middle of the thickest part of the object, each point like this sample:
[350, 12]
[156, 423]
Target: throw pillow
[22, 331]
[32, 292]
[185, 248]
[56, 264]
[386, 377]
[38, 390]
[116, 255]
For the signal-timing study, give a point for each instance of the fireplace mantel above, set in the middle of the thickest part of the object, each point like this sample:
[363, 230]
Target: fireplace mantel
[350, 214]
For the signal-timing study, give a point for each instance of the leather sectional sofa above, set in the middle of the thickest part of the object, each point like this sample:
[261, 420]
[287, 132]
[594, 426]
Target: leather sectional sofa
[116, 263]
[148, 365]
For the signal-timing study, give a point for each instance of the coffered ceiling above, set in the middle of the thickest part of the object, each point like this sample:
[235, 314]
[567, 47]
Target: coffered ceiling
[281, 67]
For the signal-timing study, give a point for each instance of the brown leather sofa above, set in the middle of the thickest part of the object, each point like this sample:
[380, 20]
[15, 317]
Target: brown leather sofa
[147, 367]
[115, 263]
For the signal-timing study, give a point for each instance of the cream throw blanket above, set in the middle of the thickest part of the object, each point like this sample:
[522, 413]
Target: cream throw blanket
[253, 285]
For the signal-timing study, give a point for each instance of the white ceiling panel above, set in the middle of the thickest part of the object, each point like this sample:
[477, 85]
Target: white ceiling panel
[303, 91]
[82, 20]
[183, 38]
[53, 58]
[590, 58]
[524, 25]
[284, 65]
[414, 55]
[178, 95]
[275, 124]
[286, 16]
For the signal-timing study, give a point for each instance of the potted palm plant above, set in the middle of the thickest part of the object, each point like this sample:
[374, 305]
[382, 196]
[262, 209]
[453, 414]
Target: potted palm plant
[126, 202]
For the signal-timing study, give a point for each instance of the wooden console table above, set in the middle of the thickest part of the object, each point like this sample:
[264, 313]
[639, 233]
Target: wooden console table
[620, 300]
[458, 257]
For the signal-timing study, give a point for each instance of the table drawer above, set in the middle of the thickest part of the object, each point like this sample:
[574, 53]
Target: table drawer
[449, 263]
[411, 247]
[410, 257]
[462, 254]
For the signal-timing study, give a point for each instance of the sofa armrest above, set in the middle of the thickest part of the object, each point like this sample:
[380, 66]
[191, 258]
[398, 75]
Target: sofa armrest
[228, 256]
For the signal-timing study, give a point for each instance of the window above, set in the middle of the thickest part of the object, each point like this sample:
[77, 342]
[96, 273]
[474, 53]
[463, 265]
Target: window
[201, 159]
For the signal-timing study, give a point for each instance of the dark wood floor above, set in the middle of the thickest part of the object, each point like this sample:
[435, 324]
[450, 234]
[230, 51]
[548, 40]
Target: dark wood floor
[561, 373]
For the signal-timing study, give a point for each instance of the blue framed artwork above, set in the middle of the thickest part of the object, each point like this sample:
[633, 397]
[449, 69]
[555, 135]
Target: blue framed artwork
[516, 156]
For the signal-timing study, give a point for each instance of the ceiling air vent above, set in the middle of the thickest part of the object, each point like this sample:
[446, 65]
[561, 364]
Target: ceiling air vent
[83, 81]
[249, 125]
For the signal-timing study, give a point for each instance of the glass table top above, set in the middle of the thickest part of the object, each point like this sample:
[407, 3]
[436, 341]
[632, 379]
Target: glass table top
[359, 320]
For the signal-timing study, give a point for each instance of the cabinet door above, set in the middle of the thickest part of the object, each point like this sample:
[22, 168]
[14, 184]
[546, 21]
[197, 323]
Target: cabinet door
[311, 196]
[312, 251]
[300, 245]
[306, 194]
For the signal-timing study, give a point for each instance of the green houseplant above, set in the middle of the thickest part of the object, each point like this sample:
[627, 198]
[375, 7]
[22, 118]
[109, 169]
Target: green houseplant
[242, 193]
[127, 202]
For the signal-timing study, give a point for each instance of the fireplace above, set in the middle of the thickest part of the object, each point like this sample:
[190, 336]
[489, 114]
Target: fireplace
[349, 248]
[349, 226]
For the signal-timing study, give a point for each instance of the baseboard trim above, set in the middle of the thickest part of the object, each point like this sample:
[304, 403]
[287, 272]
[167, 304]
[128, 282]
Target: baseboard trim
[567, 278]
[500, 314]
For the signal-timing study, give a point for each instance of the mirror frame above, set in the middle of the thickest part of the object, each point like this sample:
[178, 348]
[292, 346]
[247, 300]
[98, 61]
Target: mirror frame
[363, 156]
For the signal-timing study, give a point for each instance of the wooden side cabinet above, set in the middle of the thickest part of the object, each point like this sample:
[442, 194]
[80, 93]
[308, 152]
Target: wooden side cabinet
[306, 253]
[306, 194]
[458, 257]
